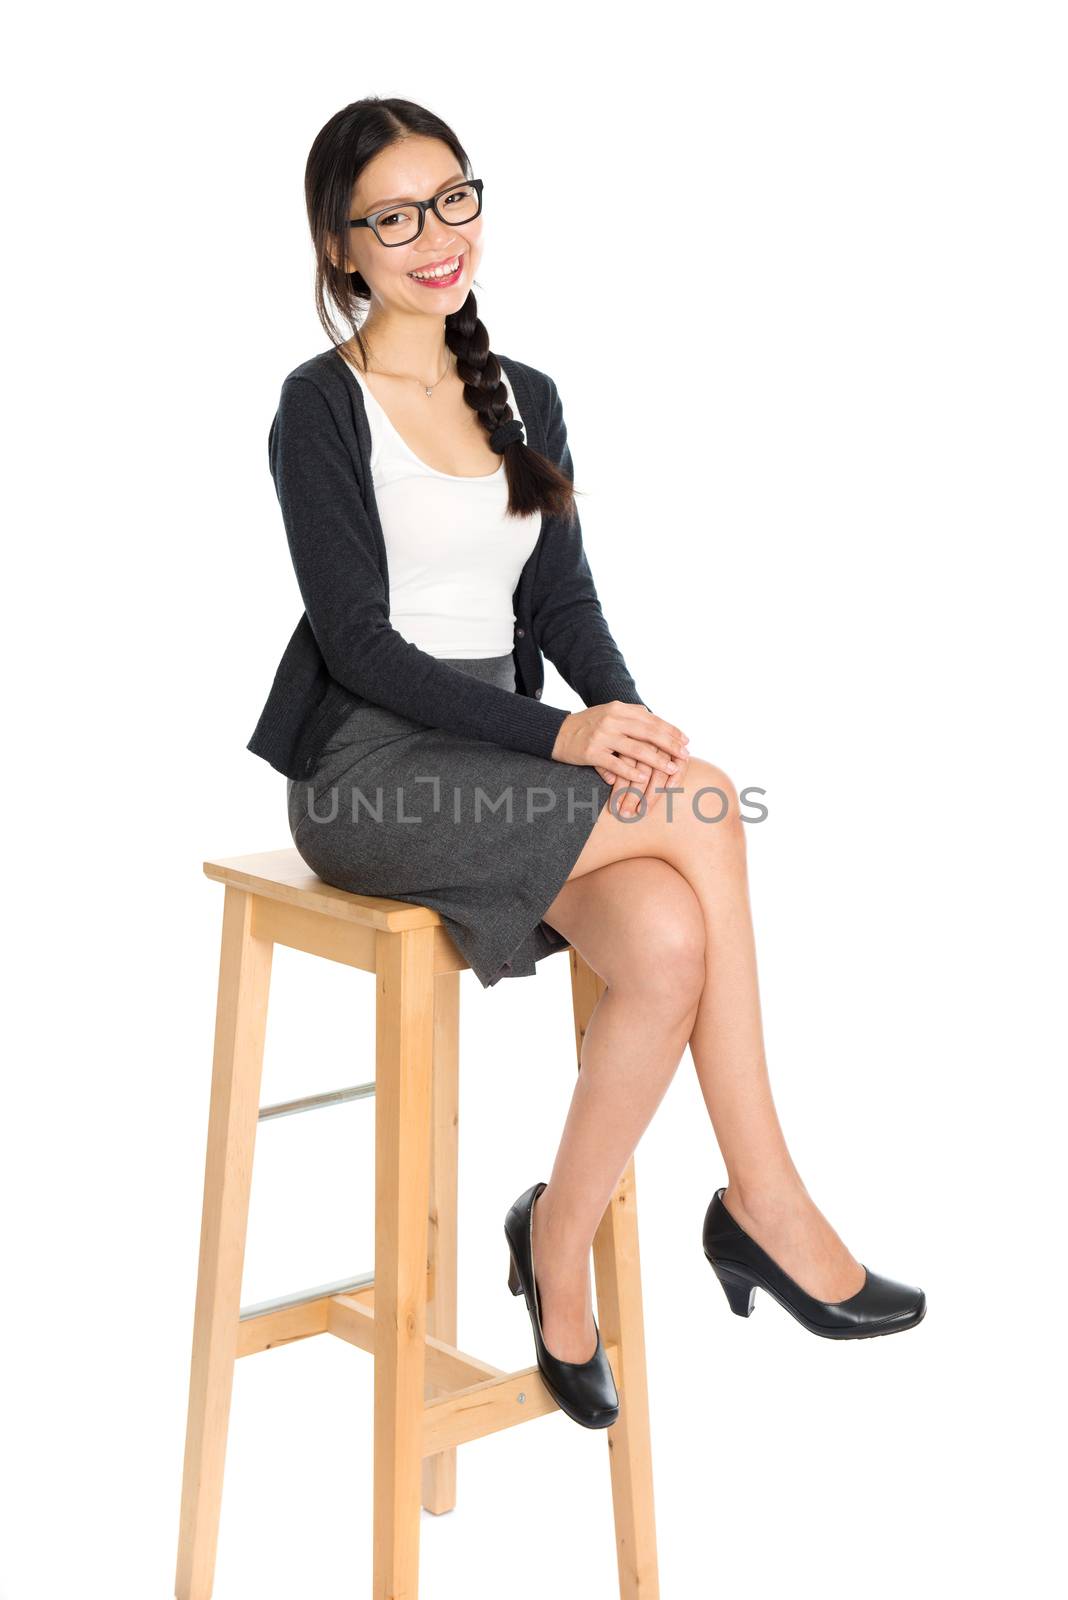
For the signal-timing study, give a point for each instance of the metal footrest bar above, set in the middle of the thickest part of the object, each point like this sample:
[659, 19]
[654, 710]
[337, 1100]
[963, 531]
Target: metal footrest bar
[302, 1295]
[316, 1102]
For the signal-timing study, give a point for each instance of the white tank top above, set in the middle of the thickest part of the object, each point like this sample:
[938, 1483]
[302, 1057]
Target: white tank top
[454, 557]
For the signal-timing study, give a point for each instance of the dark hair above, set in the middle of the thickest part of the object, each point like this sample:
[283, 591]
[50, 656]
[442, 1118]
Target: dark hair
[341, 150]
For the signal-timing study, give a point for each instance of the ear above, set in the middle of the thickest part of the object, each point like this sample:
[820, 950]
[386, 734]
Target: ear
[335, 249]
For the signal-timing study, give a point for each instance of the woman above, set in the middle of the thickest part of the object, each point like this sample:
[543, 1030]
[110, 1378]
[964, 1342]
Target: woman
[426, 489]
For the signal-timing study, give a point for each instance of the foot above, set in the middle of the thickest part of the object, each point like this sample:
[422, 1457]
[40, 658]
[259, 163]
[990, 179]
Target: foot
[799, 1239]
[567, 1324]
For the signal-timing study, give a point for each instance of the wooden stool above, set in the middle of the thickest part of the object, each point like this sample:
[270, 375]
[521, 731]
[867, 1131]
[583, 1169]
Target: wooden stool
[405, 1312]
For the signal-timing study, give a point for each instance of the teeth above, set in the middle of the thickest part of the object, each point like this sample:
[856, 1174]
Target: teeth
[439, 272]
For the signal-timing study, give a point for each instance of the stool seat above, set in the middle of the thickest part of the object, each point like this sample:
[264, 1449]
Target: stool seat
[429, 1396]
[284, 875]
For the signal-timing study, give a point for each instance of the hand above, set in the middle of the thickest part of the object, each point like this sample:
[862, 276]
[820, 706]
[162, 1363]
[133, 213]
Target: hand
[651, 787]
[623, 741]
[631, 790]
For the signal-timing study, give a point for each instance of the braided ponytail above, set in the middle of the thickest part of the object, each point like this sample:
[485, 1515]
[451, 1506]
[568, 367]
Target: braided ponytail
[534, 483]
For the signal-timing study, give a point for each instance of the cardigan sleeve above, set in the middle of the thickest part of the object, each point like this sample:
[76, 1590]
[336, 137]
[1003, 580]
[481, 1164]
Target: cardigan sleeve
[332, 546]
[568, 622]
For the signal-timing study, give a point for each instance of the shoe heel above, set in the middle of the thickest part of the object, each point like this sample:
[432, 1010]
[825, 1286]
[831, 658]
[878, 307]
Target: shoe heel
[513, 1276]
[741, 1294]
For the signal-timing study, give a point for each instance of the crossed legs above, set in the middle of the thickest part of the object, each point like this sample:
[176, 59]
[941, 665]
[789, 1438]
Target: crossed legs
[659, 907]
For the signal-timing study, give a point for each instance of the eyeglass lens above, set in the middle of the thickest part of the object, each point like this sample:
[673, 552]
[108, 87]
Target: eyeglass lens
[402, 224]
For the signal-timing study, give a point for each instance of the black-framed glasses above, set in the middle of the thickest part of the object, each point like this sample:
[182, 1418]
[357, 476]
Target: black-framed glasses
[394, 225]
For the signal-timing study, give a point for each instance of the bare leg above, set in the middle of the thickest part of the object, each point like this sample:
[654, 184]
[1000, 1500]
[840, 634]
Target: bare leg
[639, 925]
[765, 1192]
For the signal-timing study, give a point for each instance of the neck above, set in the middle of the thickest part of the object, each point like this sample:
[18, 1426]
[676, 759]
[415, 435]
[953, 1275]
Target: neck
[412, 346]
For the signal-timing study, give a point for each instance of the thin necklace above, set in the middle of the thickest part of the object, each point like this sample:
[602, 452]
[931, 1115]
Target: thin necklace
[429, 392]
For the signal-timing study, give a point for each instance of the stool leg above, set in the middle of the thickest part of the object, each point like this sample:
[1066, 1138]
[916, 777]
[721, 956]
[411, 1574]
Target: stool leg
[240, 1025]
[404, 1068]
[439, 1470]
[617, 1271]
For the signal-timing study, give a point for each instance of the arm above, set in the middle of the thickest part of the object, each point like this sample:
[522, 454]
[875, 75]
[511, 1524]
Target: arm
[569, 625]
[332, 546]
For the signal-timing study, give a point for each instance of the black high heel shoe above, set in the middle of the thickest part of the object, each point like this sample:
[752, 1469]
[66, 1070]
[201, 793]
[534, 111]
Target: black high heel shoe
[584, 1390]
[880, 1305]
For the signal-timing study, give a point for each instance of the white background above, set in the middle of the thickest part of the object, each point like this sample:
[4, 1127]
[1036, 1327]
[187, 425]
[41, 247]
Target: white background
[799, 274]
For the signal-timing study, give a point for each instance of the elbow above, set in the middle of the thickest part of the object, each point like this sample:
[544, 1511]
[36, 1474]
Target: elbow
[357, 657]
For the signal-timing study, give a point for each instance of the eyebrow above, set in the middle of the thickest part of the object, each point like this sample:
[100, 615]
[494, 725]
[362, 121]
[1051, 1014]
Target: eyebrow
[399, 199]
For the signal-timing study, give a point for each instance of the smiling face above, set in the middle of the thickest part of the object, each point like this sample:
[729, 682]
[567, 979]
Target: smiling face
[413, 169]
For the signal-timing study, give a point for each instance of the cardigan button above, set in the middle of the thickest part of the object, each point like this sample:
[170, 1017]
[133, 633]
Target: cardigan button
[537, 694]
[520, 633]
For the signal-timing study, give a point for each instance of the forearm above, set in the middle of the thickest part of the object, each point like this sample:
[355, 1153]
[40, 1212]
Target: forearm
[388, 670]
[576, 639]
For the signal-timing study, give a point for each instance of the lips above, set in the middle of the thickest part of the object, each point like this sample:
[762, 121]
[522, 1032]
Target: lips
[443, 262]
[457, 256]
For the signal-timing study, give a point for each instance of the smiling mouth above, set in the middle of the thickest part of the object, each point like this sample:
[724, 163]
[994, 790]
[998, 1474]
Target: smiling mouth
[438, 272]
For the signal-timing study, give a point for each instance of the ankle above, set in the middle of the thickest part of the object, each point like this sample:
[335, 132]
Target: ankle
[766, 1200]
[558, 1249]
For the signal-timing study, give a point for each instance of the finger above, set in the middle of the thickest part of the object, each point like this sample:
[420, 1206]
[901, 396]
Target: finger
[654, 789]
[674, 781]
[620, 766]
[637, 750]
[666, 758]
[645, 725]
[635, 791]
[620, 785]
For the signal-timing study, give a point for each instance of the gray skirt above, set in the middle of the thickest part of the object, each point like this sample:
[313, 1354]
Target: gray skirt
[485, 835]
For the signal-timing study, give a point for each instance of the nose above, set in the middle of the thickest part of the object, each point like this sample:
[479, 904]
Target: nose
[437, 237]
[440, 237]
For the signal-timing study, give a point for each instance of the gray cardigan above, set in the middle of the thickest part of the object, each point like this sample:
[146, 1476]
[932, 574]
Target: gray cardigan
[344, 651]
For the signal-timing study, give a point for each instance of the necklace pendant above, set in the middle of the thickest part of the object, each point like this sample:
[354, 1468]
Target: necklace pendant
[430, 394]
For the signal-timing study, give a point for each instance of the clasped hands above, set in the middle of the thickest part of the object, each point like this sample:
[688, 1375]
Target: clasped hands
[632, 749]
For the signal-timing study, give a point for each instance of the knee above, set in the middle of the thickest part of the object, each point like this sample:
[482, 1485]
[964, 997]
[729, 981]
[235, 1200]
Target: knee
[712, 801]
[666, 961]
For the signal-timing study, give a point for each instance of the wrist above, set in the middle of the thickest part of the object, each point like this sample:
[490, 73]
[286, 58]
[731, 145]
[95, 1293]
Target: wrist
[562, 736]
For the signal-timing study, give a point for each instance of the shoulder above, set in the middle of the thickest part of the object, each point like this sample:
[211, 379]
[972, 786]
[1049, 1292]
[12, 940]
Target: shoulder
[321, 391]
[326, 366]
[539, 384]
[320, 410]
[535, 391]
[326, 371]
